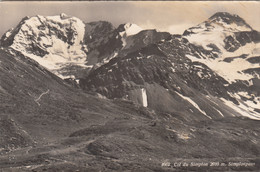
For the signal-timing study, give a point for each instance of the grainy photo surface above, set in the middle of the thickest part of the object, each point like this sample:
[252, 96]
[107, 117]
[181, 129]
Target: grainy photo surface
[129, 86]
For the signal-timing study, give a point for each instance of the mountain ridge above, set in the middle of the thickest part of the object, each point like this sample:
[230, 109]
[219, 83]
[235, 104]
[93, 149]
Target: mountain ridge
[104, 47]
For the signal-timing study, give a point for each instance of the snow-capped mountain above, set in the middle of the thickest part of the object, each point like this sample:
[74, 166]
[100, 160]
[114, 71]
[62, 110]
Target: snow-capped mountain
[66, 45]
[55, 41]
[216, 29]
[236, 46]
[233, 42]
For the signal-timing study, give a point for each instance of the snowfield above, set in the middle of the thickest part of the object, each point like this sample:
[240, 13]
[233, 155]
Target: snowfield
[232, 71]
[60, 52]
[194, 104]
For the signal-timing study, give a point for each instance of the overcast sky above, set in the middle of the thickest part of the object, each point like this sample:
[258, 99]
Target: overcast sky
[172, 16]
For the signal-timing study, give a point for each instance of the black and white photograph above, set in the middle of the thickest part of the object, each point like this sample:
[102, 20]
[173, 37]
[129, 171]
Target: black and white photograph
[129, 86]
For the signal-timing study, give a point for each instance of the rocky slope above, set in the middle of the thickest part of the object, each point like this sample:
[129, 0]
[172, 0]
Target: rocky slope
[170, 68]
[47, 125]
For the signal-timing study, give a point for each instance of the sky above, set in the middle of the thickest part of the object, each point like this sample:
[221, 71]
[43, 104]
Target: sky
[170, 16]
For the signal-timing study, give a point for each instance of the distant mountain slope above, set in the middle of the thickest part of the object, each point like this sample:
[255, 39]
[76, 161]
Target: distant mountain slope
[171, 66]
[232, 40]
[217, 59]
[171, 81]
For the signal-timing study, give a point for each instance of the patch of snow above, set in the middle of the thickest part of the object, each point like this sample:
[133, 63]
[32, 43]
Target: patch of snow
[252, 104]
[242, 109]
[198, 66]
[106, 60]
[194, 104]
[63, 16]
[123, 42]
[236, 96]
[233, 27]
[101, 96]
[179, 88]
[144, 97]
[231, 71]
[252, 49]
[199, 73]
[184, 136]
[115, 65]
[203, 37]
[193, 58]
[219, 111]
[173, 70]
[130, 29]
[244, 94]
[8, 33]
[250, 82]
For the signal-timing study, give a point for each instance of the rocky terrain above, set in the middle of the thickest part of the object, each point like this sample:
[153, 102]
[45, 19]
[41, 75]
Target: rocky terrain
[79, 96]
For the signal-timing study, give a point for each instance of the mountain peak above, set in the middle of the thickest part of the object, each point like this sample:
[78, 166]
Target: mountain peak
[224, 14]
[129, 29]
[64, 16]
[227, 18]
[53, 41]
[220, 21]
